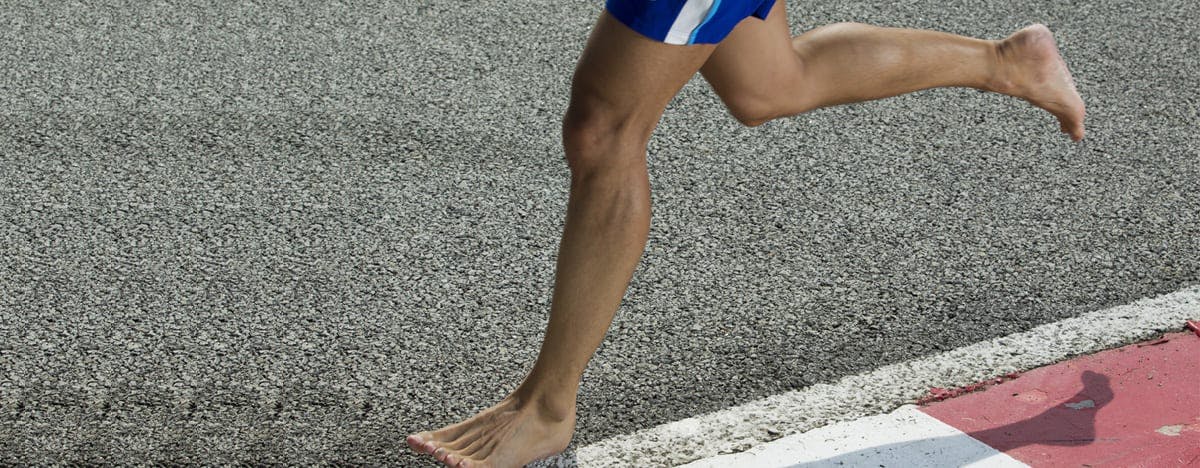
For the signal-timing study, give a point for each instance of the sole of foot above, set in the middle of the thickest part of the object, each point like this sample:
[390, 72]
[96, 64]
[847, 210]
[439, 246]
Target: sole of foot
[1037, 73]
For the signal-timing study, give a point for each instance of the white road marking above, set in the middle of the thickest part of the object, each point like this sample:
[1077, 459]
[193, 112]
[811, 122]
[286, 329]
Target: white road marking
[879, 391]
[905, 437]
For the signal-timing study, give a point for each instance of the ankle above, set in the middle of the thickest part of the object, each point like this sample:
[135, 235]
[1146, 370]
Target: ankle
[553, 405]
[1000, 80]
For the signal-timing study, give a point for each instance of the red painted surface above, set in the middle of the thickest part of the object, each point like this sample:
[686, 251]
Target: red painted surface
[1135, 406]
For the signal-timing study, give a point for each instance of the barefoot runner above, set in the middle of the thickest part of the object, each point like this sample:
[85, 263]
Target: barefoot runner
[640, 53]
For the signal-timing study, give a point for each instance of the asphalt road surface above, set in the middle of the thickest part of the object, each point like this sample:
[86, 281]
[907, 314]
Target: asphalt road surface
[294, 232]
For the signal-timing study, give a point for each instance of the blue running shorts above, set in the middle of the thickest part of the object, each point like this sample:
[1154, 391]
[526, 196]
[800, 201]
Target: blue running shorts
[686, 21]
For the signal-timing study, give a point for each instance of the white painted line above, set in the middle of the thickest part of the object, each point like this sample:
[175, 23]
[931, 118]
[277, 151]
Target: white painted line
[904, 437]
[740, 428]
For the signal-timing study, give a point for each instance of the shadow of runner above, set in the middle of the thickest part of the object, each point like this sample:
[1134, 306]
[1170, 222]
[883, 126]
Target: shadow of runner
[1047, 428]
[1071, 422]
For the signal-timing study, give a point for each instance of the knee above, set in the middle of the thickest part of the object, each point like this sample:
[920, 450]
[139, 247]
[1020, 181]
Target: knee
[780, 94]
[750, 110]
[597, 136]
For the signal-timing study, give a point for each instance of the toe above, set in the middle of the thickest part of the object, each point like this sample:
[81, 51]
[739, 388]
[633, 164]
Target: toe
[419, 442]
[414, 441]
[1074, 130]
[441, 453]
[469, 463]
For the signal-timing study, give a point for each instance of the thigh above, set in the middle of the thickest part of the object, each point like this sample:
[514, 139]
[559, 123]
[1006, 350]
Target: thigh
[756, 62]
[626, 76]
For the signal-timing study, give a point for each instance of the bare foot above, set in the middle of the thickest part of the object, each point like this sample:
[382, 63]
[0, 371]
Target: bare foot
[509, 434]
[1033, 70]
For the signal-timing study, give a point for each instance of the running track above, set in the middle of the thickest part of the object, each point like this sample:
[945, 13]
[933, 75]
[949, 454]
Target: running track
[294, 232]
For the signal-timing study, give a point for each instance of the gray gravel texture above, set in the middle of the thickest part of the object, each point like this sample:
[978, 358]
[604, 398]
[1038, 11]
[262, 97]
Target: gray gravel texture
[293, 232]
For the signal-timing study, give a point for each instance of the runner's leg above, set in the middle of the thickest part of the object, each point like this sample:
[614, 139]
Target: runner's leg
[761, 72]
[622, 84]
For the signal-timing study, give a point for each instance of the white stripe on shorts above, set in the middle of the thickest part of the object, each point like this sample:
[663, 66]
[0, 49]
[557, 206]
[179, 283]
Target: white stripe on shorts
[690, 17]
